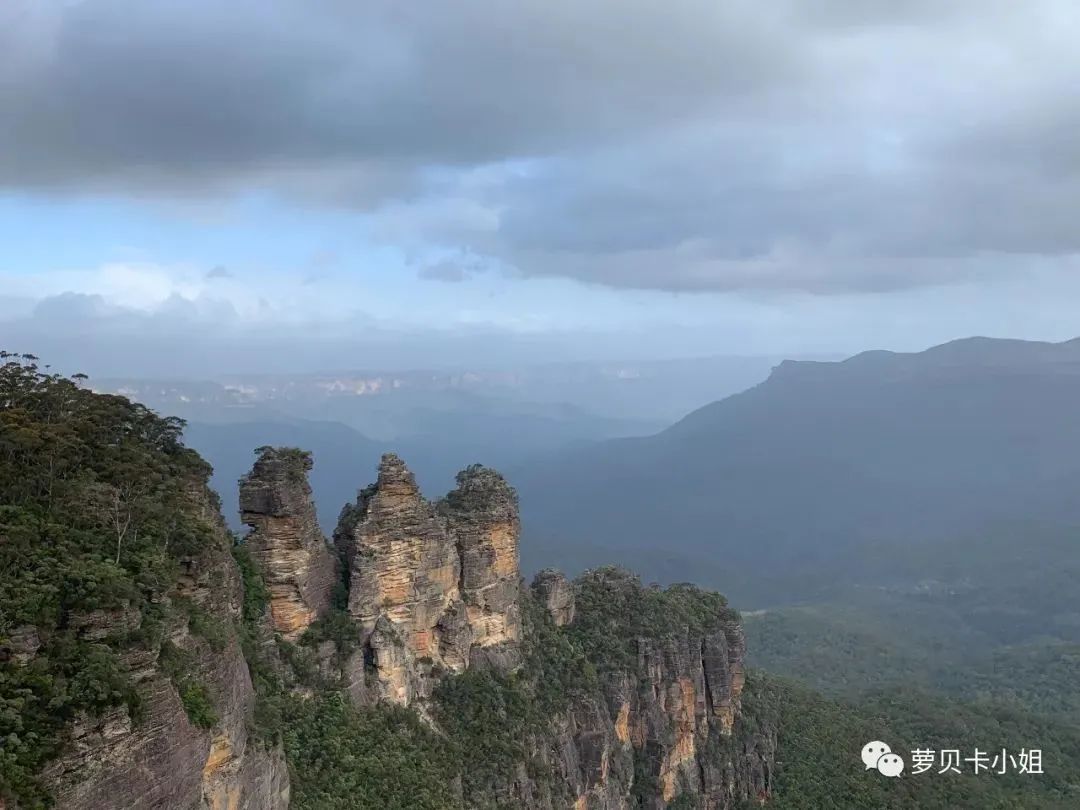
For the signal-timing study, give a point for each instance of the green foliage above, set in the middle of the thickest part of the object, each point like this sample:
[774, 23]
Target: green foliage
[614, 610]
[820, 740]
[488, 719]
[95, 512]
[496, 722]
[1040, 678]
[302, 663]
[179, 665]
[296, 460]
[336, 626]
[256, 594]
[384, 758]
[555, 664]
[197, 704]
[210, 628]
[848, 649]
[267, 721]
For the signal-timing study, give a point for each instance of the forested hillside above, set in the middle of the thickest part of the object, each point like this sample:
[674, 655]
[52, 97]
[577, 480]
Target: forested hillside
[121, 679]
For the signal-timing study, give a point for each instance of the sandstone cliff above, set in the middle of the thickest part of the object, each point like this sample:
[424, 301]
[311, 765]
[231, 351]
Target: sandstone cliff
[482, 519]
[162, 759]
[556, 595]
[297, 564]
[432, 586]
[662, 721]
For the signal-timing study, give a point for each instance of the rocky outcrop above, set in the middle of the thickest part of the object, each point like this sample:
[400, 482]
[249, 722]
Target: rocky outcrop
[663, 725]
[556, 594]
[482, 520]
[432, 586]
[298, 565]
[163, 759]
[690, 698]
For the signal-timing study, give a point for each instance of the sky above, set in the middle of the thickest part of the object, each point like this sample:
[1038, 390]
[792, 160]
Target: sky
[203, 187]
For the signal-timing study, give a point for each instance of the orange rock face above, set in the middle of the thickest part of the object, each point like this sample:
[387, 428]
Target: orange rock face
[440, 580]
[298, 565]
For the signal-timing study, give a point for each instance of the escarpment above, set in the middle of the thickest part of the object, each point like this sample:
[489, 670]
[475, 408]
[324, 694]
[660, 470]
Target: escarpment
[189, 745]
[662, 720]
[297, 564]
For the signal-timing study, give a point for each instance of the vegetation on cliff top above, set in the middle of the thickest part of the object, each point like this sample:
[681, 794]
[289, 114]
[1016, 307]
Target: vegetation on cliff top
[94, 497]
[614, 610]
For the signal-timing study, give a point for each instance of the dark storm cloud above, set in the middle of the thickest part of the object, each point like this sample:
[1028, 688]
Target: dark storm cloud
[690, 145]
[119, 90]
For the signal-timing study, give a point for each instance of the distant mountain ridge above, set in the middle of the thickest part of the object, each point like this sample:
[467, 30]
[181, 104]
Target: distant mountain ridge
[630, 397]
[839, 469]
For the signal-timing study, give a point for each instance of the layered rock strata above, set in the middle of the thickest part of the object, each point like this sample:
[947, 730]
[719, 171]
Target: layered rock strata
[664, 726]
[298, 565]
[433, 586]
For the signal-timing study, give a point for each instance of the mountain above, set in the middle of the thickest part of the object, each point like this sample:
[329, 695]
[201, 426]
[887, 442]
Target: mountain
[148, 660]
[123, 678]
[865, 471]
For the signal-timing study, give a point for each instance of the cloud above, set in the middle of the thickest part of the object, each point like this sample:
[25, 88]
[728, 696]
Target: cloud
[446, 270]
[218, 271]
[692, 145]
[74, 308]
[130, 92]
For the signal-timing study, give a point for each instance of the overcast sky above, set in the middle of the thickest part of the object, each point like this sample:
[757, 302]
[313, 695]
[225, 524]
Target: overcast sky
[277, 184]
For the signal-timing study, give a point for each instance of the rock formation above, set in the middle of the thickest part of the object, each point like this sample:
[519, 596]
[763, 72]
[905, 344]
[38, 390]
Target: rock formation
[177, 671]
[435, 589]
[555, 594]
[297, 564]
[432, 586]
[482, 519]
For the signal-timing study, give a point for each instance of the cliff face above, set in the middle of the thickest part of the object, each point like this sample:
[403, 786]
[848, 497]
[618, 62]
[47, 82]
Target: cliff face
[297, 564]
[636, 689]
[482, 519]
[664, 721]
[556, 595]
[163, 759]
[432, 586]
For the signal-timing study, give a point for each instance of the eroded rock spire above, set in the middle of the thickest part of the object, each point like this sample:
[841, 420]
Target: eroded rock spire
[298, 565]
[433, 586]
